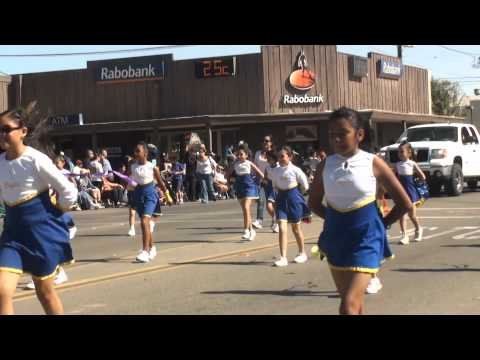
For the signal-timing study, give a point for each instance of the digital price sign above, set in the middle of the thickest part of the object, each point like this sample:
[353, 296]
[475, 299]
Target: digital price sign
[218, 67]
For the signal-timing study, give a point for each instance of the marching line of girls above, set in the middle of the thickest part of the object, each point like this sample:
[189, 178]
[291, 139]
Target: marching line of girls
[353, 239]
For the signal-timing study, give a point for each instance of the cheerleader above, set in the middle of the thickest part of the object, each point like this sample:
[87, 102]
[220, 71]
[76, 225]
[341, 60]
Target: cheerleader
[290, 182]
[270, 193]
[406, 168]
[146, 198]
[246, 189]
[354, 238]
[35, 237]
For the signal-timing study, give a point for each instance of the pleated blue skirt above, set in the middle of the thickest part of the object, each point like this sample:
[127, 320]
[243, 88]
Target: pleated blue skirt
[355, 240]
[35, 238]
[290, 206]
[408, 184]
[245, 187]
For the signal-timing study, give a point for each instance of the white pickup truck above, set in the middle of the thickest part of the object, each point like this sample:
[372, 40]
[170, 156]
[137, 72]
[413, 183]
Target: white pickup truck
[448, 154]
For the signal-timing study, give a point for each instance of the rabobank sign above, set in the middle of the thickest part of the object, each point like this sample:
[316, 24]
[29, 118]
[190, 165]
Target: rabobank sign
[121, 72]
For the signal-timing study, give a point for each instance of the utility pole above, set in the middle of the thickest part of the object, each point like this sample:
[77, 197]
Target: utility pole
[399, 51]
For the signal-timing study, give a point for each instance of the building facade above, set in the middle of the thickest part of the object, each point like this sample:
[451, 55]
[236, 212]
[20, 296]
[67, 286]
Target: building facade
[287, 91]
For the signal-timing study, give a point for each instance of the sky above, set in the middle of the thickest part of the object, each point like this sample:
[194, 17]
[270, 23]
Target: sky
[454, 63]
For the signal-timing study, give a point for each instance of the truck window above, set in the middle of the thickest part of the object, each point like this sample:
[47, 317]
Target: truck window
[431, 133]
[474, 135]
[465, 136]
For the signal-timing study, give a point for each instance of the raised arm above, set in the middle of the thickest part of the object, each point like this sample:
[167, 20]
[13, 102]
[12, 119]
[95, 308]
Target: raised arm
[419, 171]
[302, 179]
[67, 192]
[257, 170]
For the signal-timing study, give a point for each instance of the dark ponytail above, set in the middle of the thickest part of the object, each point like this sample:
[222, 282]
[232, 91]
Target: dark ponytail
[357, 121]
[38, 135]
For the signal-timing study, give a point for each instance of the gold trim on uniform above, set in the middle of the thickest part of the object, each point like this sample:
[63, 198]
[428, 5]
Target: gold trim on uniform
[354, 269]
[361, 204]
[20, 272]
[11, 270]
[25, 199]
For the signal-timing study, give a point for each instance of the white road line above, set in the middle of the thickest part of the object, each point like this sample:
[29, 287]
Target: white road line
[463, 236]
[443, 233]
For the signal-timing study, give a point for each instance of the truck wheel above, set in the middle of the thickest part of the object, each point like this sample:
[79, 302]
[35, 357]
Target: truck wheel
[455, 183]
[434, 189]
[472, 184]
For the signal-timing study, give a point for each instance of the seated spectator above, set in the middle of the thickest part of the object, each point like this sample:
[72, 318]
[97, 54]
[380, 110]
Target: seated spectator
[112, 193]
[220, 182]
[89, 192]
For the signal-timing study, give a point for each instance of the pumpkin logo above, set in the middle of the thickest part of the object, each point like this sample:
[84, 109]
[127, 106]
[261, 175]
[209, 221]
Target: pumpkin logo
[302, 79]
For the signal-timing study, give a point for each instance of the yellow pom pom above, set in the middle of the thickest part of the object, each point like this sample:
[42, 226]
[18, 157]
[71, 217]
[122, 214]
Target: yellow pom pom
[315, 251]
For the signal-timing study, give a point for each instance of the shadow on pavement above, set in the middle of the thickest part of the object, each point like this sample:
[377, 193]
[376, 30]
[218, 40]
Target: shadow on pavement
[102, 260]
[101, 235]
[437, 270]
[229, 263]
[211, 228]
[464, 245]
[329, 294]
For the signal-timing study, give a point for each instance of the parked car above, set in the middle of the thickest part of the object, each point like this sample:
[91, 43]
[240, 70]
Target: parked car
[448, 154]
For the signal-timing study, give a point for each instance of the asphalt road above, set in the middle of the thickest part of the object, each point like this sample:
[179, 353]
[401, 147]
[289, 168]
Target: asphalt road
[204, 268]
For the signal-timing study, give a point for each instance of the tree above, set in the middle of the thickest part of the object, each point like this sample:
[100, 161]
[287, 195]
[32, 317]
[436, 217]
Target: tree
[446, 97]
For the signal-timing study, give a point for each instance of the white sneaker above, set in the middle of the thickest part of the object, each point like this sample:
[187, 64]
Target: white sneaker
[275, 228]
[153, 252]
[61, 277]
[257, 224]
[301, 258]
[152, 226]
[30, 285]
[374, 286]
[73, 232]
[253, 233]
[282, 262]
[131, 232]
[246, 234]
[405, 240]
[143, 256]
[419, 234]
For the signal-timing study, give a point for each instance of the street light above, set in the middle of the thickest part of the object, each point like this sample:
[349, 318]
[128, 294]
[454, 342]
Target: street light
[400, 47]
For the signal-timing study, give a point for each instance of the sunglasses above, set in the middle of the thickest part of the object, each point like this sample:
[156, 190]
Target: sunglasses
[7, 130]
[267, 141]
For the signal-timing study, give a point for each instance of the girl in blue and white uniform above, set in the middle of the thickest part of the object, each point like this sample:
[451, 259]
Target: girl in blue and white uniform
[35, 238]
[145, 195]
[290, 183]
[246, 188]
[354, 238]
[406, 168]
[270, 192]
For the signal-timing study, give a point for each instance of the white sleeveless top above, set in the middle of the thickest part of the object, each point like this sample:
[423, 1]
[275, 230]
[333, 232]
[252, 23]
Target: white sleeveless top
[288, 177]
[405, 167]
[349, 183]
[142, 174]
[243, 168]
